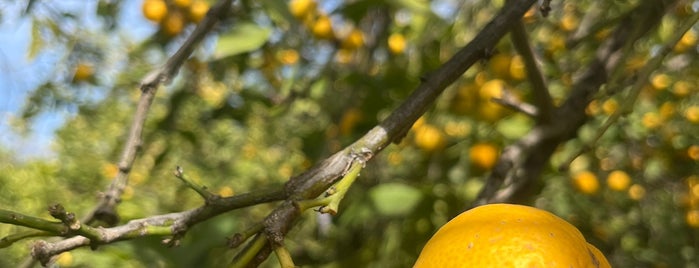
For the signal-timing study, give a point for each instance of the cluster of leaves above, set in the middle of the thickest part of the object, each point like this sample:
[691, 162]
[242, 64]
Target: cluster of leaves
[268, 96]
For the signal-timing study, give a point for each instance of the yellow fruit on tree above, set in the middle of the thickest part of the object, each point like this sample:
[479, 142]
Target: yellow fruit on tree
[323, 28]
[182, 3]
[483, 155]
[354, 40]
[429, 138]
[692, 114]
[173, 24]
[518, 70]
[692, 218]
[693, 152]
[83, 72]
[637, 192]
[396, 43]
[569, 22]
[198, 10]
[505, 235]
[660, 81]
[688, 40]
[586, 182]
[499, 65]
[154, 10]
[302, 8]
[618, 180]
[492, 89]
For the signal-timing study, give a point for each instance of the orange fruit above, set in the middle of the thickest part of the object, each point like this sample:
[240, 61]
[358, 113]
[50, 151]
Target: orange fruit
[354, 40]
[182, 3]
[396, 43]
[83, 72]
[692, 218]
[429, 138]
[154, 10]
[323, 28]
[586, 182]
[483, 155]
[692, 114]
[506, 235]
[636, 192]
[618, 180]
[173, 24]
[302, 8]
[198, 10]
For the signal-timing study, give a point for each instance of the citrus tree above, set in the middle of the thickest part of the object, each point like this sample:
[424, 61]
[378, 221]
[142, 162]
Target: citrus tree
[228, 132]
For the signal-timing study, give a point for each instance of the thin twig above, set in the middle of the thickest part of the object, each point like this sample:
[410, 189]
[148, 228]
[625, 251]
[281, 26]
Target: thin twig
[106, 209]
[542, 98]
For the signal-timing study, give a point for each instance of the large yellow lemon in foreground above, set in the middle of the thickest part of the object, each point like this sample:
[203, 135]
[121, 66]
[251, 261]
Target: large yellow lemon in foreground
[505, 235]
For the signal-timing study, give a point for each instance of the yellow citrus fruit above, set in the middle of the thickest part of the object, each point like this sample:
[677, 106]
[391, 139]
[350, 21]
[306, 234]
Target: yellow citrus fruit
[198, 10]
[586, 182]
[354, 40]
[323, 28]
[429, 138]
[693, 152]
[681, 88]
[396, 43]
[483, 155]
[692, 218]
[83, 72]
[302, 8]
[517, 69]
[490, 111]
[609, 106]
[637, 192]
[692, 114]
[618, 180]
[154, 10]
[182, 3]
[226, 191]
[688, 40]
[349, 120]
[660, 81]
[651, 120]
[569, 22]
[505, 235]
[173, 23]
[288, 56]
[492, 89]
[499, 65]
[65, 259]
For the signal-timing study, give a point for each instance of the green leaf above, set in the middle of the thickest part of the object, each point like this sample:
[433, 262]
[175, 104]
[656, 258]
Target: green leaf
[395, 199]
[242, 38]
[37, 41]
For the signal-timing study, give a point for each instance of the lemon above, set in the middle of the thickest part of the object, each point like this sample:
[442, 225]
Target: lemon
[505, 235]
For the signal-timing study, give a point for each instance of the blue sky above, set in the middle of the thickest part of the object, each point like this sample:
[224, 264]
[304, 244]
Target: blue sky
[19, 74]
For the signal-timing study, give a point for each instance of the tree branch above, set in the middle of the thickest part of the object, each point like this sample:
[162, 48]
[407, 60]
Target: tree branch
[106, 209]
[521, 164]
[542, 98]
[321, 176]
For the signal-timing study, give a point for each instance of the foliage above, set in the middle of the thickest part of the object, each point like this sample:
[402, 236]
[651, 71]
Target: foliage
[273, 91]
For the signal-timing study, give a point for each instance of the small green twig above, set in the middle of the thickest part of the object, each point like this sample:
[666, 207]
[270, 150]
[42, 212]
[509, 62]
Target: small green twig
[11, 239]
[238, 238]
[249, 252]
[341, 188]
[285, 260]
[201, 190]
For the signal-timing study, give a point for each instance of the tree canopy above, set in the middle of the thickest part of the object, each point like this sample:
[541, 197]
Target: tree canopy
[217, 133]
